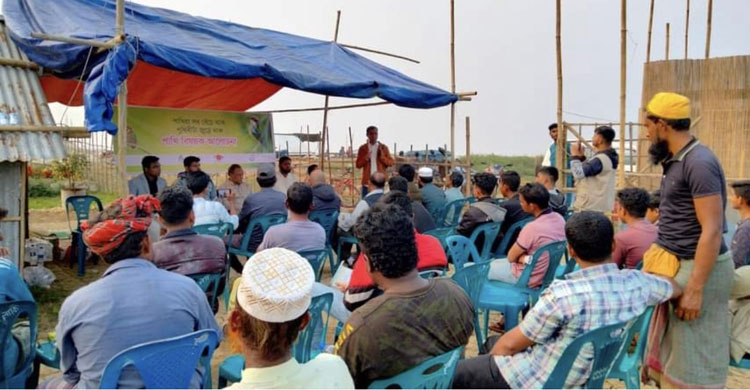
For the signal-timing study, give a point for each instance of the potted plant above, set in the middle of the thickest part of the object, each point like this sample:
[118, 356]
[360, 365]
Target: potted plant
[71, 170]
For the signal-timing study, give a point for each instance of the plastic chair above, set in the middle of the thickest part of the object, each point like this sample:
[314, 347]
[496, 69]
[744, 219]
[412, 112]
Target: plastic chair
[452, 209]
[223, 231]
[344, 240]
[568, 214]
[627, 367]
[327, 219]
[472, 279]
[432, 273]
[82, 207]
[744, 363]
[10, 378]
[442, 233]
[303, 349]
[48, 354]
[210, 281]
[513, 231]
[165, 364]
[513, 299]
[260, 223]
[461, 251]
[569, 266]
[434, 373]
[489, 231]
[316, 259]
[606, 342]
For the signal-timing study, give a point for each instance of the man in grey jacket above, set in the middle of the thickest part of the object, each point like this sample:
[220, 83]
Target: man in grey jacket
[149, 182]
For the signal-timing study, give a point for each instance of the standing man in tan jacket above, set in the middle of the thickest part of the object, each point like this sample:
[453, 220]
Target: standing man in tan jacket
[595, 177]
[371, 151]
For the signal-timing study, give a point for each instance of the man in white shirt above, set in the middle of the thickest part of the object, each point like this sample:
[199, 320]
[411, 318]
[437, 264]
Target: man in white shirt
[236, 184]
[347, 220]
[209, 212]
[284, 177]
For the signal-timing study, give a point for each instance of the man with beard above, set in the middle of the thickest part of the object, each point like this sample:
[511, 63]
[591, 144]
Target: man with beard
[284, 177]
[689, 345]
[595, 178]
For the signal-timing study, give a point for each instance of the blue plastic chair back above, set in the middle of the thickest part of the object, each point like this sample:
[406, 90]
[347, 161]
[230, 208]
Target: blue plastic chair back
[432, 273]
[220, 230]
[316, 259]
[489, 232]
[307, 346]
[461, 251]
[260, 224]
[471, 278]
[568, 214]
[327, 219]
[165, 364]
[606, 343]
[627, 366]
[10, 378]
[513, 230]
[555, 251]
[210, 282]
[453, 210]
[81, 206]
[434, 373]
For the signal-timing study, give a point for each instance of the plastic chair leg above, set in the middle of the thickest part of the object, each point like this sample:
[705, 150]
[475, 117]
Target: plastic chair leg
[222, 382]
[512, 314]
[81, 252]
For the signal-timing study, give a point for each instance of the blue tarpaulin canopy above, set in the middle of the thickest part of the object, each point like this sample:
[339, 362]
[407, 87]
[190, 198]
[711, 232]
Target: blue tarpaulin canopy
[226, 65]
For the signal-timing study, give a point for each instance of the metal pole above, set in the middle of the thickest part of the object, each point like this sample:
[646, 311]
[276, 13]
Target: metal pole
[325, 108]
[623, 89]
[122, 112]
[453, 84]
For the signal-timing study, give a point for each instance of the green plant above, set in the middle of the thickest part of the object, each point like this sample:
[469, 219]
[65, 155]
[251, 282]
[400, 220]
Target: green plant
[71, 169]
[39, 190]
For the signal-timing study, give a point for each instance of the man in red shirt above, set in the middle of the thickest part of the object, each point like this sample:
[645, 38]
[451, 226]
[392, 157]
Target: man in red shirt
[430, 256]
[633, 242]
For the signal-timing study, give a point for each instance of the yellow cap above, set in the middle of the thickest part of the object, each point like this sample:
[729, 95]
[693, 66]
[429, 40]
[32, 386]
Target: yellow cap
[668, 105]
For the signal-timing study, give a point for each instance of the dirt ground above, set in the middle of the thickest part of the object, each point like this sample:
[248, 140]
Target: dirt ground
[51, 220]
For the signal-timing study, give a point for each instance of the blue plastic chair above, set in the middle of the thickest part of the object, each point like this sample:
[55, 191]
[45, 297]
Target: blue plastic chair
[513, 231]
[223, 231]
[442, 233]
[569, 266]
[260, 223]
[10, 378]
[472, 278]
[48, 354]
[461, 251]
[489, 232]
[744, 363]
[327, 219]
[606, 341]
[344, 240]
[304, 348]
[316, 259]
[431, 273]
[210, 281]
[513, 299]
[81, 206]
[165, 364]
[434, 373]
[568, 213]
[452, 209]
[627, 367]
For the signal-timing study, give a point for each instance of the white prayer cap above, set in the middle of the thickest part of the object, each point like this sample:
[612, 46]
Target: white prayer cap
[425, 172]
[276, 285]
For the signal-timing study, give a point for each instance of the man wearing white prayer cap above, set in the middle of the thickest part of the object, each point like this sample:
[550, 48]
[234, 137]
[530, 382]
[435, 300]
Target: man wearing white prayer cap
[272, 309]
[433, 198]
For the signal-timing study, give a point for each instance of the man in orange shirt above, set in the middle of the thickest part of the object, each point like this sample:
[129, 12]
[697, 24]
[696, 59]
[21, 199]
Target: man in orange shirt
[371, 151]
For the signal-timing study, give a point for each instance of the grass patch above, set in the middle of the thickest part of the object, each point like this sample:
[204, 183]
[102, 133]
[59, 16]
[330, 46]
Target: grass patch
[47, 202]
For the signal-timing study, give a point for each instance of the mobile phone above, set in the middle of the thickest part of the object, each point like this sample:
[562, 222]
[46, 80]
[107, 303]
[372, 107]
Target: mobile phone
[222, 192]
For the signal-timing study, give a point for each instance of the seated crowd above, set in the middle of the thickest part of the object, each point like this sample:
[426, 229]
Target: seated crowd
[393, 317]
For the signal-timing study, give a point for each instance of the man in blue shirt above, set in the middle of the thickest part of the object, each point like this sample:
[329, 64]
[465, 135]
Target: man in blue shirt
[432, 197]
[456, 180]
[132, 303]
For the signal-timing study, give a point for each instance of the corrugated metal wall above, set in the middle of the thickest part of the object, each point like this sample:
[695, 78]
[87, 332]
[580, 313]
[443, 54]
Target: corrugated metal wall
[11, 175]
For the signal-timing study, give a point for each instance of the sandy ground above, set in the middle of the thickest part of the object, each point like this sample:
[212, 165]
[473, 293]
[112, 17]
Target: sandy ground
[54, 220]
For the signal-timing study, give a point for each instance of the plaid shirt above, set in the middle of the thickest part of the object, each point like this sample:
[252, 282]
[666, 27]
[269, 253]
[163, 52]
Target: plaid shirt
[588, 299]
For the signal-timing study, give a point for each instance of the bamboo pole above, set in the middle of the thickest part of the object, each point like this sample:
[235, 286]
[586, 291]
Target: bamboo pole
[325, 108]
[561, 135]
[122, 102]
[467, 179]
[623, 88]
[23, 213]
[351, 157]
[687, 24]
[650, 25]
[708, 27]
[90, 42]
[308, 143]
[666, 47]
[328, 148]
[378, 52]
[453, 82]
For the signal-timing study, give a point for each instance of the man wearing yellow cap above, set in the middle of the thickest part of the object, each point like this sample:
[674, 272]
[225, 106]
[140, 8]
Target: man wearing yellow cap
[690, 349]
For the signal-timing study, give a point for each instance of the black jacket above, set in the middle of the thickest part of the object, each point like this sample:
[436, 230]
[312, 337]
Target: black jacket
[325, 198]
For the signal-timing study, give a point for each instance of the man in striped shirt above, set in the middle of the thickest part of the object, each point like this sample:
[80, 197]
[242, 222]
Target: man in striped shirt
[598, 295]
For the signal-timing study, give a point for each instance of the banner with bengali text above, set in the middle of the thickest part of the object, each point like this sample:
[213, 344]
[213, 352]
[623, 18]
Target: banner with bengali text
[218, 138]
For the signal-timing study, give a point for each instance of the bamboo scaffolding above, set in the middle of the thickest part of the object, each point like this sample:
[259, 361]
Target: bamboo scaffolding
[351, 157]
[325, 108]
[379, 52]
[122, 103]
[666, 47]
[453, 82]
[561, 135]
[687, 28]
[623, 88]
[650, 25]
[708, 27]
[468, 190]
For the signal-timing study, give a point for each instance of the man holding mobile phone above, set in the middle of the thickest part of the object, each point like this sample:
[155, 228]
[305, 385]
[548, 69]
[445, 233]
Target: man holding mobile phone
[235, 184]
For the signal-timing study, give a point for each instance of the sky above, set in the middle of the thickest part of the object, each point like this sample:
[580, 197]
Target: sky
[505, 50]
